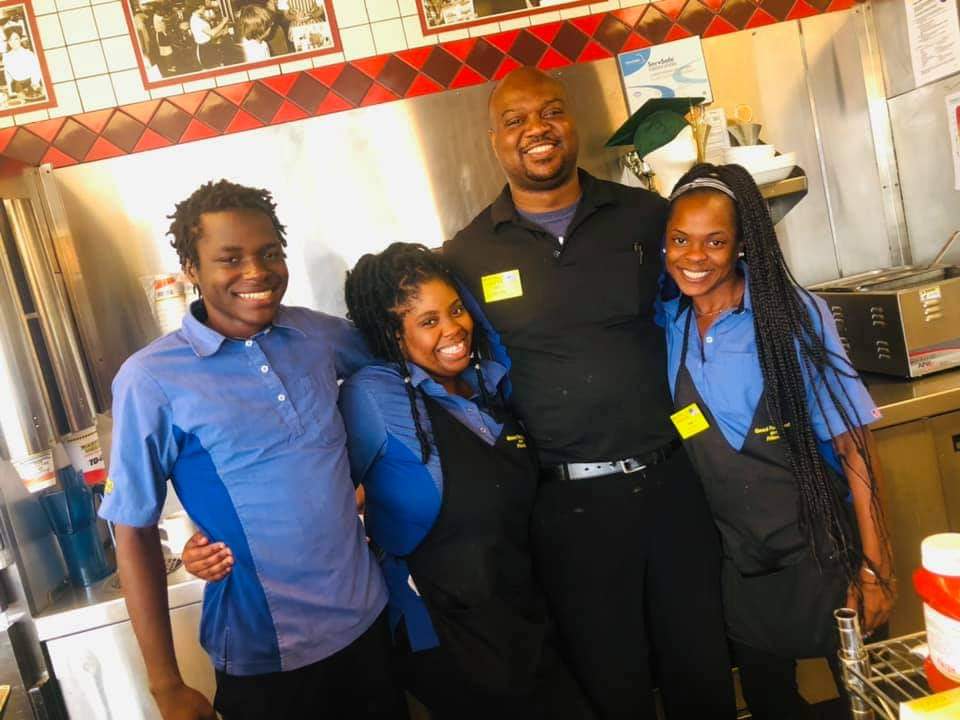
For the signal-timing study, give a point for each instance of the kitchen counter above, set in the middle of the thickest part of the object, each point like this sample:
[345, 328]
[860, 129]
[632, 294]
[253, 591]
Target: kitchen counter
[81, 609]
[902, 400]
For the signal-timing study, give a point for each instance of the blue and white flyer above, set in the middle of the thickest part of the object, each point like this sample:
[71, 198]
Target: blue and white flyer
[675, 69]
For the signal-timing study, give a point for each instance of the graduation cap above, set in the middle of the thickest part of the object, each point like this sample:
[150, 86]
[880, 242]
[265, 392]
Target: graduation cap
[654, 124]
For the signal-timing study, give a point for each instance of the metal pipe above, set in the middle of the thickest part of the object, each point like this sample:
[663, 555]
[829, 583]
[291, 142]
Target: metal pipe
[945, 249]
[855, 662]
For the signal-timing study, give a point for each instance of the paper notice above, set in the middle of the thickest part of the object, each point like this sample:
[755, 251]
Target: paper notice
[953, 125]
[934, 32]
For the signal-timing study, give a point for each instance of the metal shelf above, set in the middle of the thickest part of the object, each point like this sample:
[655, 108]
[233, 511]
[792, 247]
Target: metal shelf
[782, 196]
[893, 675]
[791, 185]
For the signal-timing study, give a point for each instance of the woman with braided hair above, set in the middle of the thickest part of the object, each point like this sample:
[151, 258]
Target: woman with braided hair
[449, 484]
[775, 419]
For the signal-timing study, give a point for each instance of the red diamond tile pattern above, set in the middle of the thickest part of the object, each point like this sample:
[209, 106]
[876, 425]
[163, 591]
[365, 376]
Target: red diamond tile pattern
[385, 78]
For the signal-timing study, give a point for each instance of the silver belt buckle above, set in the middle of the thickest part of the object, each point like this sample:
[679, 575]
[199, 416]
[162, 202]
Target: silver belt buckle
[630, 465]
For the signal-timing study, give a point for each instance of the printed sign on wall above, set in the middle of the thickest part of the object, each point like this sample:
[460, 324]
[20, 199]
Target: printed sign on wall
[179, 40]
[673, 69]
[442, 15]
[24, 81]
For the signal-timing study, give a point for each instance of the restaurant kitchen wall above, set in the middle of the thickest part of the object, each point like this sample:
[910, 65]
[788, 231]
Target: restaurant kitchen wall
[417, 170]
[408, 65]
[919, 120]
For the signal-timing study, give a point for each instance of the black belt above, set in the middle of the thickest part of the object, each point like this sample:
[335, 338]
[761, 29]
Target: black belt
[602, 468]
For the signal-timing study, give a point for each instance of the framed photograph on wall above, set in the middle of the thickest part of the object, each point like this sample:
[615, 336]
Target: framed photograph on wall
[178, 40]
[442, 15]
[24, 81]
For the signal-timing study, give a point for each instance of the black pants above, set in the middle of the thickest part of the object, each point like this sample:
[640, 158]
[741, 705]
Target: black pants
[769, 683]
[630, 565]
[356, 682]
[432, 676]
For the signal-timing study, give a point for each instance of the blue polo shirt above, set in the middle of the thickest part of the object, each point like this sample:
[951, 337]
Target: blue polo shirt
[725, 369]
[250, 435]
[403, 495]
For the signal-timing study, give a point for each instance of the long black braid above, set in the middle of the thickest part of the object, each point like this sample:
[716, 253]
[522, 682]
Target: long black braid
[792, 354]
[377, 290]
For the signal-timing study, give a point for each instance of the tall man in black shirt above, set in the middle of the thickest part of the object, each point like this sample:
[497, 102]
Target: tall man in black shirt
[565, 267]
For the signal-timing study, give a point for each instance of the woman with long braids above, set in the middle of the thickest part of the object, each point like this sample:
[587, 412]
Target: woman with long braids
[449, 485]
[775, 419]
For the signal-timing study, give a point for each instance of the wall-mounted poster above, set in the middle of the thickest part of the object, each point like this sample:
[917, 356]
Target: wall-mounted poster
[24, 80]
[673, 69]
[179, 40]
[441, 15]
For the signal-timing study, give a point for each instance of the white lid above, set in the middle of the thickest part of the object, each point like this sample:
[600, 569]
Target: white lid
[940, 554]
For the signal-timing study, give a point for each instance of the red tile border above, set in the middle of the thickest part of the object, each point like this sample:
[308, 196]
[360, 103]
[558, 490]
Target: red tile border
[379, 79]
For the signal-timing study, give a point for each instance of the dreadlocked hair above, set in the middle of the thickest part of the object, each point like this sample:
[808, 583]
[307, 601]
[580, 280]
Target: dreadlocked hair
[377, 292]
[793, 354]
[216, 197]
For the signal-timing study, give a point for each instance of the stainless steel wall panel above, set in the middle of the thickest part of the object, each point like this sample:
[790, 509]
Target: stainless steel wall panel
[922, 139]
[891, 20]
[835, 73]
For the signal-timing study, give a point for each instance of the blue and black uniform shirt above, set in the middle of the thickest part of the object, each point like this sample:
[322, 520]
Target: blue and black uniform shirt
[725, 369]
[250, 435]
[403, 495]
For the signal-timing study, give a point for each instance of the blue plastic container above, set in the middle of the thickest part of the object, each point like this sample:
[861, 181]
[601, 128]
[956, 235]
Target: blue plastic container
[72, 517]
[83, 552]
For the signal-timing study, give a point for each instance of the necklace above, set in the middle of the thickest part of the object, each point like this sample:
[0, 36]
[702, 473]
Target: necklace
[713, 313]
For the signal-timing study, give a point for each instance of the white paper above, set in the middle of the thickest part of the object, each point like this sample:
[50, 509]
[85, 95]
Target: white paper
[674, 69]
[934, 32]
[953, 125]
[718, 139]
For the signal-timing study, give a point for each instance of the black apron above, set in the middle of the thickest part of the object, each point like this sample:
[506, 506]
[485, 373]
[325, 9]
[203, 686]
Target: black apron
[474, 569]
[777, 597]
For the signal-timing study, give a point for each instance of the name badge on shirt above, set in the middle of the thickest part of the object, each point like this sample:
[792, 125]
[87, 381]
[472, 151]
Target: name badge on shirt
[501, 286]
[689, 421]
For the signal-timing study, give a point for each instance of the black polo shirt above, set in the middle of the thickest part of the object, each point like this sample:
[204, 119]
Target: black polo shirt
[588, 363]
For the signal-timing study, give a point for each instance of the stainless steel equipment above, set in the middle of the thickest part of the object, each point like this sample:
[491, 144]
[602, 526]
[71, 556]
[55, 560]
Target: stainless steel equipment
[880, 676]
[901, 321]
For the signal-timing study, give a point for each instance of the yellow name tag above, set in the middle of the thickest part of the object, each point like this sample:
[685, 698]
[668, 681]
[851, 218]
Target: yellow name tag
[689, 421]
[501, 286]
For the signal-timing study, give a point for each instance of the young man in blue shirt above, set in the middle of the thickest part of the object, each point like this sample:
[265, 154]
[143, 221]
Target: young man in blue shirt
[238, 409]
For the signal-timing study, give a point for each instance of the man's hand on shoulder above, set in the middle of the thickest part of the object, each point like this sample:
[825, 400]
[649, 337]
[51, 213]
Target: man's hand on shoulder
[182, 702]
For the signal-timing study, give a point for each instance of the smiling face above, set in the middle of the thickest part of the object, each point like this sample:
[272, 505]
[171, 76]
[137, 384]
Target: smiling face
[701, 245]
[241, 271]
[437, 331]
[14, 40]
[532, 134]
